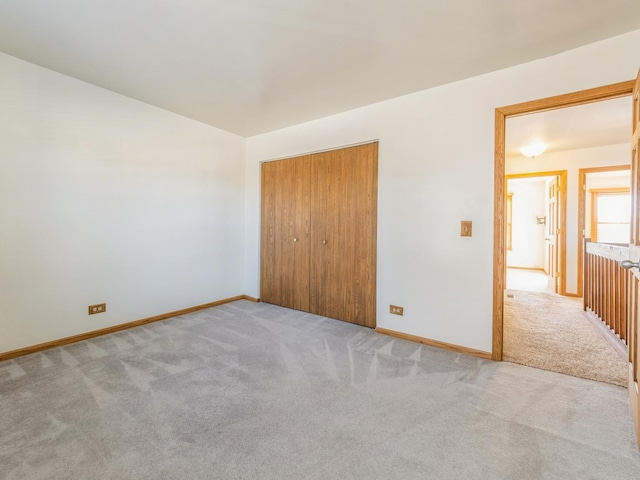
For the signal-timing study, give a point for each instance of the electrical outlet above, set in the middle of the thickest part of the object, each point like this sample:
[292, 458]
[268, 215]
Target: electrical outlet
[98, 308]
[396, 310]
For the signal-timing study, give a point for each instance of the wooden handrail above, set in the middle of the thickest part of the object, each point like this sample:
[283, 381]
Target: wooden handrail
[606, 288]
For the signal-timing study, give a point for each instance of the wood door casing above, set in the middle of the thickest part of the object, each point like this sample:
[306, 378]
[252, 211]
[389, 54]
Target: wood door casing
[285, 253]
[501, 114]
[344, 197]
[634, 255]
[561, 176]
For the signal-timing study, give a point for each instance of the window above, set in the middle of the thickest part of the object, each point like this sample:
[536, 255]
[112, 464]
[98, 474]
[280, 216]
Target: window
[610, 215]
[508, 216]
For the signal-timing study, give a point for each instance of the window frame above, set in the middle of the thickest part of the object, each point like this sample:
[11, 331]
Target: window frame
[599, 192]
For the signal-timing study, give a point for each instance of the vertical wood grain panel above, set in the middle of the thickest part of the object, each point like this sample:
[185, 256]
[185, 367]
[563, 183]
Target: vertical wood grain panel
[594, 283]
[585, 282]
[601, 284]
[268, 226]
[284, 263]
[300, 181]
[344, 234]
[626, 286]
[499, 247]
[636, 108]
[319, 233]
[617, 288]
[606, 292]
[612, 267]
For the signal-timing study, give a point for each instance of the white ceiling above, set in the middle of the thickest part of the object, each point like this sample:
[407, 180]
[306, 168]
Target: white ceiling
[584, 126]
[251, 66]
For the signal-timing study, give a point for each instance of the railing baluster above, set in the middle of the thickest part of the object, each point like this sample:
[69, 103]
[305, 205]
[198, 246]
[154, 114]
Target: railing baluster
[625, 301]
[607, 296]
[592, 302]
[606, 286]
[617, 291]
[601, 286]
[610, 295]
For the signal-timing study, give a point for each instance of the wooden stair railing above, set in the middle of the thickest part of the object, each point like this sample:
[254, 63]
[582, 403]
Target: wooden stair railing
[606, 289]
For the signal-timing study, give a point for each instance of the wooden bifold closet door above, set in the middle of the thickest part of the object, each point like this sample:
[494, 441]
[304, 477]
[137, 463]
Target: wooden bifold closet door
[284, 263]
[319, 227]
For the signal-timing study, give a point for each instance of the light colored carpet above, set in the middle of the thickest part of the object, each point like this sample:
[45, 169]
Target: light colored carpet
[549, 331]
[254, 391]
[530, 280]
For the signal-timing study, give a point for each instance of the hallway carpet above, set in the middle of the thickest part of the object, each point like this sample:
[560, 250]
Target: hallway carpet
[254, 391]
[551, 332]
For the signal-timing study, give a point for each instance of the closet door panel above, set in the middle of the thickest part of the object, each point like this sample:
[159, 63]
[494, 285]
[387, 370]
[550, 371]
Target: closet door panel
[328, 239]
[343, 234]
[285, 254]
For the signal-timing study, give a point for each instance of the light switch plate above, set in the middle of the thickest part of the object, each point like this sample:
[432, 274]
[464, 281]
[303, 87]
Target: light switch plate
[465, 228]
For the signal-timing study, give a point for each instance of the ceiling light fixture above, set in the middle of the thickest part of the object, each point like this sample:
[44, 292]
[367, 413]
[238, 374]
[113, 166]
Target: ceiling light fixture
[533, 150]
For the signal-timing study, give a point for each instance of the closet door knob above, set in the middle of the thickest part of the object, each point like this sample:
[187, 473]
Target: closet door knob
[295, 240]
[324, 242]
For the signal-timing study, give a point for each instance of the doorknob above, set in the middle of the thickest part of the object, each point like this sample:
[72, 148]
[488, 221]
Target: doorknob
[627, 264]
[295, 239]
[324, 242]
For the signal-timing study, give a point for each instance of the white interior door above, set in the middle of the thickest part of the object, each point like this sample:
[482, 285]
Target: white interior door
[553, 231]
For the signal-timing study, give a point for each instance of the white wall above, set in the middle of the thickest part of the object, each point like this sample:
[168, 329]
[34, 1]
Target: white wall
[572, 161]
[107, 199]
[436, 169]
[528, 237]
